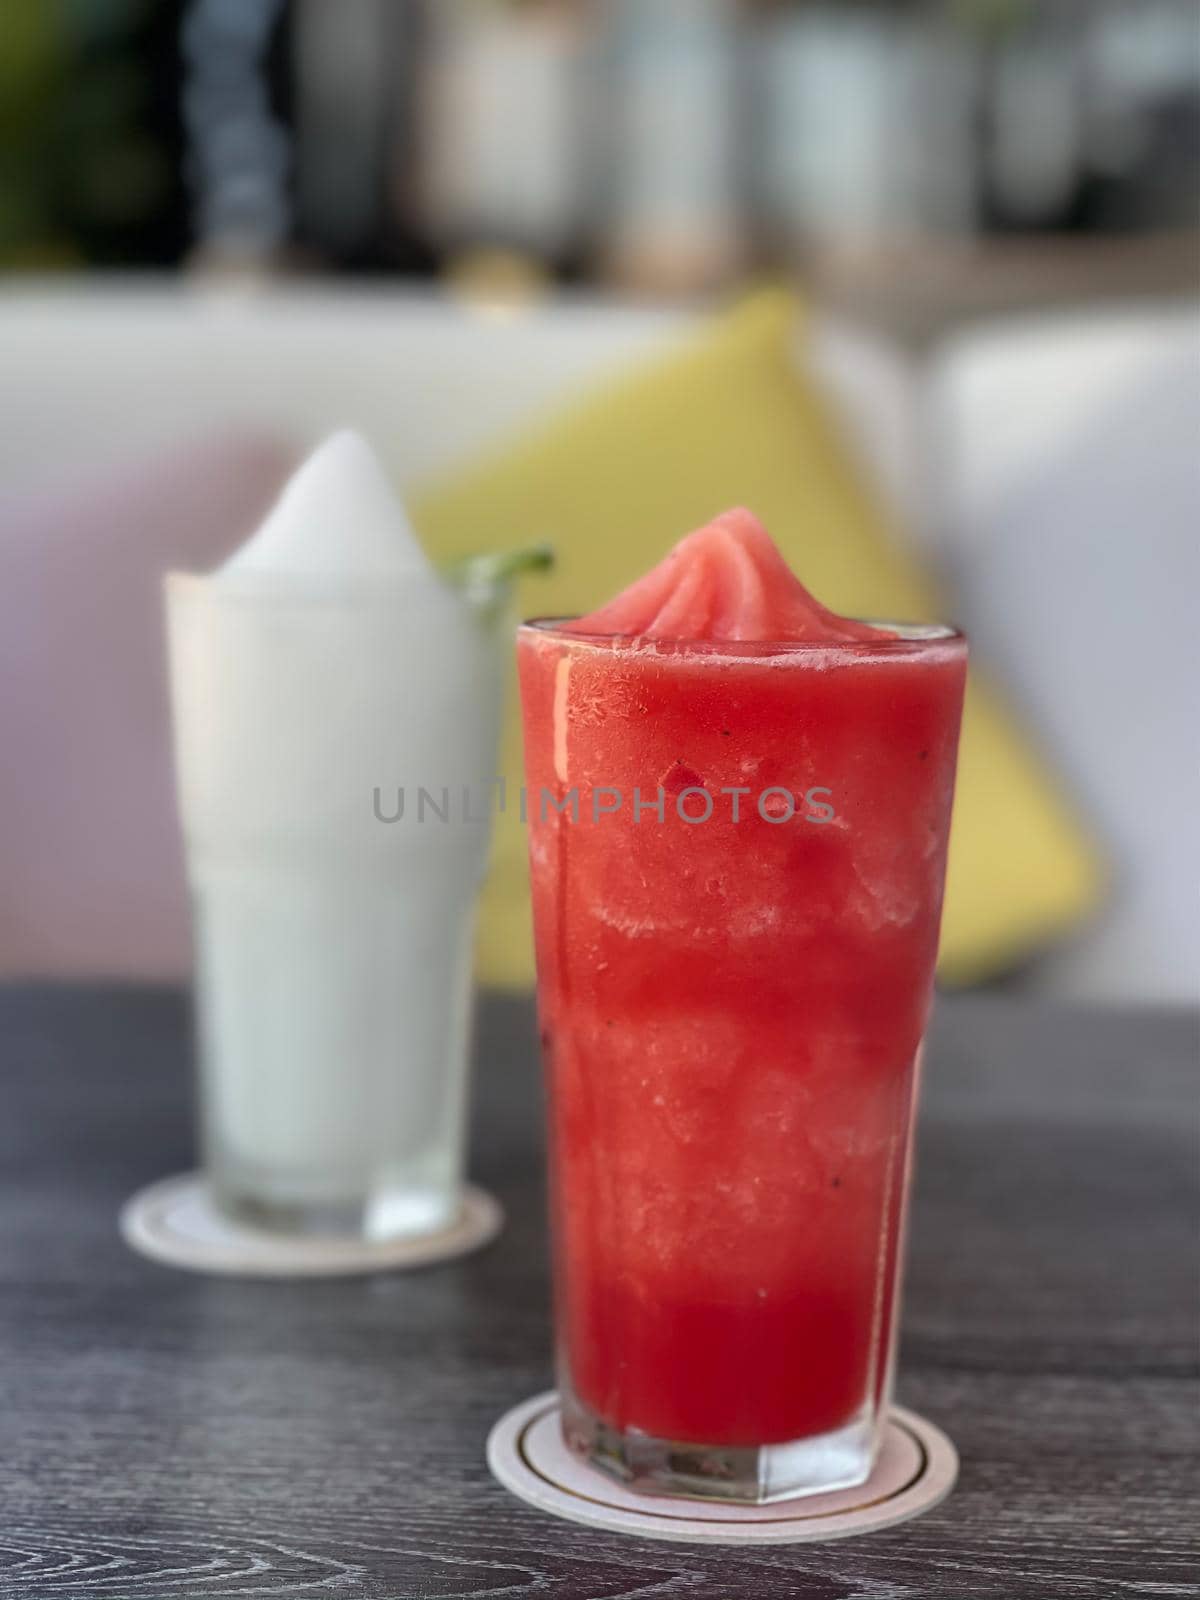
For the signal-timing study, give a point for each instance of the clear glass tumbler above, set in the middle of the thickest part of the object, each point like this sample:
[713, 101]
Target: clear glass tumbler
[737, 854]
[335, 754]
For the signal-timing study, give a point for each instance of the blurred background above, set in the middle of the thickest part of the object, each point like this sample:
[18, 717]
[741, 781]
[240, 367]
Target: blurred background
[655, 145]
[520, 244]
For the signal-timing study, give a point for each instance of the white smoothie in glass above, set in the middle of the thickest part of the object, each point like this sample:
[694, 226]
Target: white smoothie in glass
[322, 679]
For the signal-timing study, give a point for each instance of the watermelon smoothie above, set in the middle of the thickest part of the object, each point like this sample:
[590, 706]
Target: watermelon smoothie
[738, 807]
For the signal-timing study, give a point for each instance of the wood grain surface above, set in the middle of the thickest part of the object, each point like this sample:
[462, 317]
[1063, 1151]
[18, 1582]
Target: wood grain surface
[164, 1435]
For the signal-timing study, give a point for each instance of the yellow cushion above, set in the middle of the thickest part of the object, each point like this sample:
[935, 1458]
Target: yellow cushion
[728, 419]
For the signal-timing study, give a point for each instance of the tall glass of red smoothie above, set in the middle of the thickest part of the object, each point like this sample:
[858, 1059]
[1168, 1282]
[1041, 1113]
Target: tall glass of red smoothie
[738, 807]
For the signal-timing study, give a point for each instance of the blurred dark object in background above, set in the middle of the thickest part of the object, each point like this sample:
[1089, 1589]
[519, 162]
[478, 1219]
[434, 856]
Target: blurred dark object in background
[238, 145]
[660, 144]
[91, 138]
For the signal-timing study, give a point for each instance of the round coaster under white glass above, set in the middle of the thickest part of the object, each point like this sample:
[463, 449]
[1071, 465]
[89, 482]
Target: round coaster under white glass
[917, 1467]
[176, 1222]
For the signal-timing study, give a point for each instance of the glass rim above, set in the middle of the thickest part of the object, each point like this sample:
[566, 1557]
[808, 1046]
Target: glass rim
[911, 638]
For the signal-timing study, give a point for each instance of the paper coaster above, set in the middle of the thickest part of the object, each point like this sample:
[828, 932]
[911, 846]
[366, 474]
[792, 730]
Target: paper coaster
[176, 1222]
[917, 1467]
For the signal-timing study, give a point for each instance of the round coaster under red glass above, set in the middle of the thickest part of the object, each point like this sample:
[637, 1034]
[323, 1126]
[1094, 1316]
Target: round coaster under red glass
[917, 1468]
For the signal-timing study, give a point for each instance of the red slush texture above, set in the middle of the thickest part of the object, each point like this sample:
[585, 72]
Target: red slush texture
[726, 581]
[731, 1014]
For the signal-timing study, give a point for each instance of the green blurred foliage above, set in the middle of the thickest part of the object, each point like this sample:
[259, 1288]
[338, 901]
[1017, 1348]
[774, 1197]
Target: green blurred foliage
[86, 168]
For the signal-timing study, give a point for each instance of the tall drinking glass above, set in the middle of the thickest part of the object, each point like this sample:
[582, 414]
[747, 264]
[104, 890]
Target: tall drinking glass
[737, 854]
[334, 756]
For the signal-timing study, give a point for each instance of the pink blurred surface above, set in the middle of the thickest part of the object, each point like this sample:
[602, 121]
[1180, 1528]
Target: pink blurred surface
[90, 857]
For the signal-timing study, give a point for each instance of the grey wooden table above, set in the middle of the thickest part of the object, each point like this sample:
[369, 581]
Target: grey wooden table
[165, 1435]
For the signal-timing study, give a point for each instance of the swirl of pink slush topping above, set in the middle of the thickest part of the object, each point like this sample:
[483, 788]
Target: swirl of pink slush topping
[725, 581]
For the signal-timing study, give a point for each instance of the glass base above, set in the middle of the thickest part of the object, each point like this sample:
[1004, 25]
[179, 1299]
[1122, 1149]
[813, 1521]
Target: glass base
[390, 1215]
[749, 1474]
